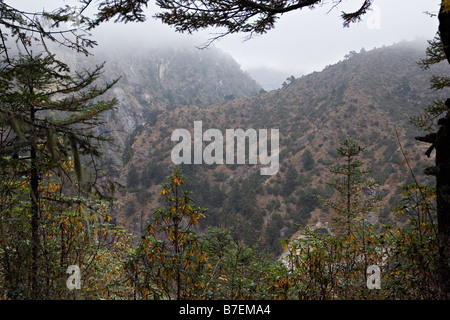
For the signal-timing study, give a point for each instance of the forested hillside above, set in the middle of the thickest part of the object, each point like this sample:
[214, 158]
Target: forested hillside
[365, 96]
[164, 77]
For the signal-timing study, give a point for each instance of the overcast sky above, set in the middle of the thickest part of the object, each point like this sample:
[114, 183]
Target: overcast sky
[305, 41]
[302, 41]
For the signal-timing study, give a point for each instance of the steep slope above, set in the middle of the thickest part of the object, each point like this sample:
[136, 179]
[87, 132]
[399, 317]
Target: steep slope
[156, 79]
[365, 96]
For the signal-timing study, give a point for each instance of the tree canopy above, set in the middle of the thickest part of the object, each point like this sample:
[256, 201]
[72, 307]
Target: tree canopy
[246, 16]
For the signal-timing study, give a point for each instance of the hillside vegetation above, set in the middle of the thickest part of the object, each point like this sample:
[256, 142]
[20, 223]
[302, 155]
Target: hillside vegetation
[336, 209]
[161, 78]
[366, 96]
[114, 184]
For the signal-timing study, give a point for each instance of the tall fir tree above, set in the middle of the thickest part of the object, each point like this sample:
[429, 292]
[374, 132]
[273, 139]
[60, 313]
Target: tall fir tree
[48, 113]
[436, 121]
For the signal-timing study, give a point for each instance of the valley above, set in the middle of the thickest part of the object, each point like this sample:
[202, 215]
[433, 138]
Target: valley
[366, 96]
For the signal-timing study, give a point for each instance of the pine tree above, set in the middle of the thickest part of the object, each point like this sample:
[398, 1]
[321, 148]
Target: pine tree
[48, 114]
[51, 117]
[168, 261]
[349, 181]
[351, 206]
[333, 265]
[436, 122]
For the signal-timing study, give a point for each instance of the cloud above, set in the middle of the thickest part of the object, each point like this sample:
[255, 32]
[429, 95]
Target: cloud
[302, 41]
[308, 40]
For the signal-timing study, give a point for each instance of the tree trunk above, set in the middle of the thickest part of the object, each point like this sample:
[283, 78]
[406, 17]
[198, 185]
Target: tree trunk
[444, 31]
[34, 198]
[442, 172]
[442, 146]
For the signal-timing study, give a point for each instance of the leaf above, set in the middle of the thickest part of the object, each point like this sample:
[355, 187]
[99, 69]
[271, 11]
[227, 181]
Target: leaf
[16, 126]
[51, 144]
[76, 159]
[446, 5]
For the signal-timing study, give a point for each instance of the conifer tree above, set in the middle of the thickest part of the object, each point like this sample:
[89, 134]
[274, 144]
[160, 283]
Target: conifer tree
[349, 180]
[436, 122]
[351, 207]
[48, 113]
[169, 259]
[52, 117]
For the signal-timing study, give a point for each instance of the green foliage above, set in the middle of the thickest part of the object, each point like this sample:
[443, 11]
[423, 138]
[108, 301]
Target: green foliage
[349, 181]
[153, 173]
[434, 54]
[306, 202]
[249, 17]
[290, 182]
[237, 270]
[41, 85]
[436, 120]
[308, 160]
[167, 262]
[413, 271]
[333, 266]
[220, 176]
[132, 178]
[73, 230]
[48, 131]
[48, 120]
[173, 261]
[273, 234]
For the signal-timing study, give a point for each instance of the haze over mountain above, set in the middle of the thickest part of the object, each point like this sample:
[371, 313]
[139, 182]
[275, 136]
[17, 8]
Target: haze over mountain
[365, 97]
[268, 78]
[161, 78]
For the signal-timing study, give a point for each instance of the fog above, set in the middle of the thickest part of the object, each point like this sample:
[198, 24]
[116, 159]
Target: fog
[306, 41]
[303, 41]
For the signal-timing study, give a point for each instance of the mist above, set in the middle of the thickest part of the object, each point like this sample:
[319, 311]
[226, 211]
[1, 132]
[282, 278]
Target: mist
[303, 41]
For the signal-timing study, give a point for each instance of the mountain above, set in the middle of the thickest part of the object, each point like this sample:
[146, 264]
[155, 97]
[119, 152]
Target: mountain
[365, 96]
[156, 79]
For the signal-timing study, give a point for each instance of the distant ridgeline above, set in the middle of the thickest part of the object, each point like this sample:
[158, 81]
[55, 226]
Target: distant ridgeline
[156, 80]
[365, 97]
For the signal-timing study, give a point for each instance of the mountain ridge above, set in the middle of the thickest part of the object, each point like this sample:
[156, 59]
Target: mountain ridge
[161, 78]
[367, 96]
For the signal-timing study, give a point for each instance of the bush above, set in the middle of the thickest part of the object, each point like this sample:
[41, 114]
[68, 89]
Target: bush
[308, 160]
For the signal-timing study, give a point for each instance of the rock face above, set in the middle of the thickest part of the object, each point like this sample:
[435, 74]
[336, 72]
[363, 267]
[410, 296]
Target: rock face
[380, 193]
[155, 80]
[364, 97]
